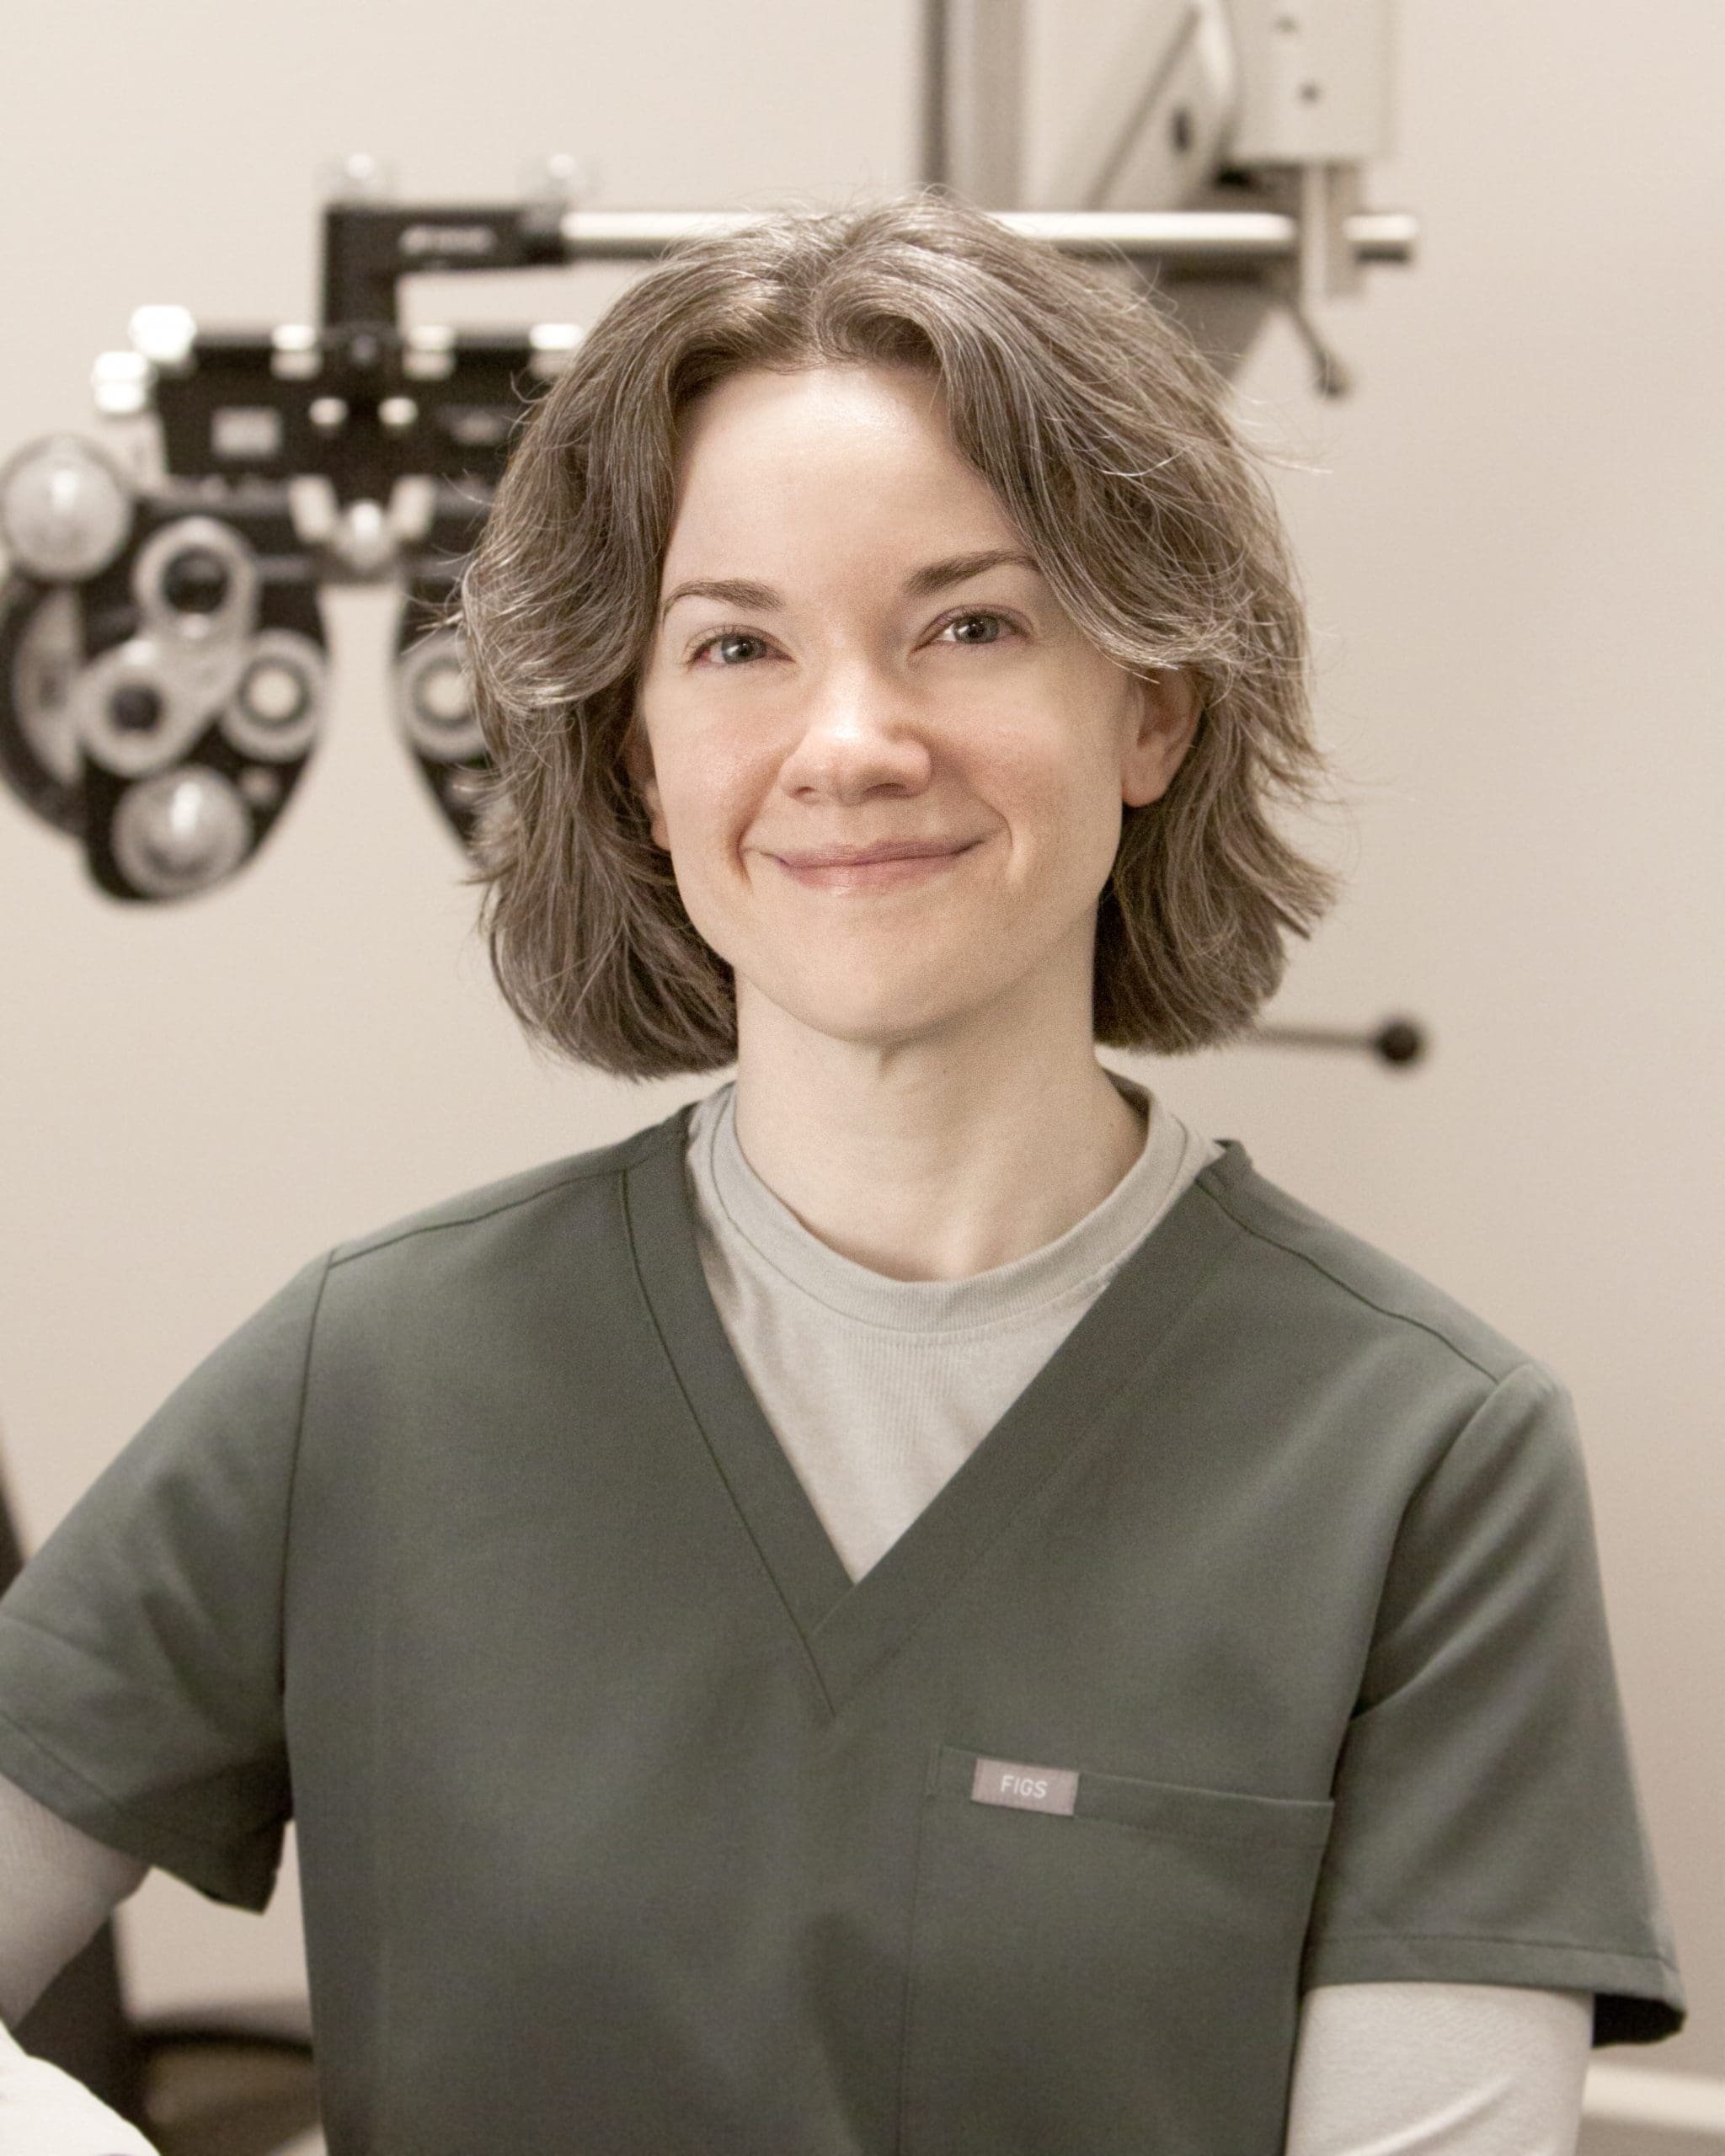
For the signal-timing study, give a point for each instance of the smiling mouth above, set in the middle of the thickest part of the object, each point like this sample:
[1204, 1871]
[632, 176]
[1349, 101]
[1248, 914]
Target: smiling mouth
[872, 867]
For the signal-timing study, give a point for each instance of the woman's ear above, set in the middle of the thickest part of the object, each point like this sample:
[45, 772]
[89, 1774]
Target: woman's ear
[638, 763]
[1168, 709]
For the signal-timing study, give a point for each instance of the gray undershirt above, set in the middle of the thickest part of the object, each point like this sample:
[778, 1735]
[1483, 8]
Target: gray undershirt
[878, 1388]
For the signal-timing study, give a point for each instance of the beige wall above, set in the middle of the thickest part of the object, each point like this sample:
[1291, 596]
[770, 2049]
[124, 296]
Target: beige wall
[1512, 546]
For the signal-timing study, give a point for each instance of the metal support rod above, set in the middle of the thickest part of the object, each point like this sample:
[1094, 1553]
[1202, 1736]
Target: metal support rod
[1236, 237]
[978, 75]
[934, 156]
[1397, 1041]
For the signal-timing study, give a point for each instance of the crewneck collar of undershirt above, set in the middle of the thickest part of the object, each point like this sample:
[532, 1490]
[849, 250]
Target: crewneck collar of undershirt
[738, 1209]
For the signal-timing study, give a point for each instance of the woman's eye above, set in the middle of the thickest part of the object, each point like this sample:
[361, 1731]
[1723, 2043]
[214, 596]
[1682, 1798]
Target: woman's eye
[730, 648]
[977, 628]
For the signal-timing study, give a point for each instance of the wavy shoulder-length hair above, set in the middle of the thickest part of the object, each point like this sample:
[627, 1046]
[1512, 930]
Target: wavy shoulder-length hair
[1107, 442]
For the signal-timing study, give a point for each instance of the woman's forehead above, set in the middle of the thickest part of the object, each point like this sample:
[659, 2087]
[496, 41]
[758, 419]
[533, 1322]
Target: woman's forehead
[856, 458]
[831, 392]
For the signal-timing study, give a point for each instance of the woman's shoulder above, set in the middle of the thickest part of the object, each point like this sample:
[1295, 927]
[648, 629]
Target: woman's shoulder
[1314, 1277]
[554, 1194]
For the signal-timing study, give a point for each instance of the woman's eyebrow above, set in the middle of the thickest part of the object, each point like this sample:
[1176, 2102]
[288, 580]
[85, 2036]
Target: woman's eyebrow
[734, 591]
[958, 568]
[921, 583]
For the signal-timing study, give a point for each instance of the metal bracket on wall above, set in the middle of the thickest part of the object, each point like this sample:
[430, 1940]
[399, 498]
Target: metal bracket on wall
[1235, 111]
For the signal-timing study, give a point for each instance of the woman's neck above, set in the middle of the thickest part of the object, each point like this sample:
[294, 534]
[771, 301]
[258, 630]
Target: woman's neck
[937, 1159]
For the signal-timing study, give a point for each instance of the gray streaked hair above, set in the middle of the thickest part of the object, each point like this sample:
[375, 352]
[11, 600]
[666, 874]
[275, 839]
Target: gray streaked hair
[1107, 442]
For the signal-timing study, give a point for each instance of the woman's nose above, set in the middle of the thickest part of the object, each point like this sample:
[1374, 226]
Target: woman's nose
[858, 735]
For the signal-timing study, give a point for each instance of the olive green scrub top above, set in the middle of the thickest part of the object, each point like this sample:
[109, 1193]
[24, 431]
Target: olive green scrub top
[1258, 1646]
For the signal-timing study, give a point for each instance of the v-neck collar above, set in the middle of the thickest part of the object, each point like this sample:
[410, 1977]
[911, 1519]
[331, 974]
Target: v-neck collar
[849, 1628]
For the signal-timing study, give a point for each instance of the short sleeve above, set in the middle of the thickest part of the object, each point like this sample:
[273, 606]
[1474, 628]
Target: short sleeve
[140, 1648]
[1487, 1826]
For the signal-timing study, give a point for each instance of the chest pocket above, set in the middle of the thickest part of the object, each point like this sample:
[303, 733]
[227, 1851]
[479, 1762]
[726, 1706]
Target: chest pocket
[1120, 1977]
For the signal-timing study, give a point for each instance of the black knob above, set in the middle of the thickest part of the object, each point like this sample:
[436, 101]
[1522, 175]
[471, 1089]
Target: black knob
[1399, 1040]
[196, 581]
[136, 708]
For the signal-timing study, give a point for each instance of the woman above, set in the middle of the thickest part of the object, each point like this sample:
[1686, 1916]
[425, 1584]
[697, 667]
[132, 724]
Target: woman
[923, 1605]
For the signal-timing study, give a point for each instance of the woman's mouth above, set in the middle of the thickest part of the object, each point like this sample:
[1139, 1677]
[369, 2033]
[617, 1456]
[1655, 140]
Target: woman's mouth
[890, 866]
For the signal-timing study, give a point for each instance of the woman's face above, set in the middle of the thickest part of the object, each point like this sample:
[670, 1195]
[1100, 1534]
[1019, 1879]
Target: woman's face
[889, 770]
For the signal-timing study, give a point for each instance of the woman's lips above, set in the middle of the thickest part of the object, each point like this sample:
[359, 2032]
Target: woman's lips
[871, 868]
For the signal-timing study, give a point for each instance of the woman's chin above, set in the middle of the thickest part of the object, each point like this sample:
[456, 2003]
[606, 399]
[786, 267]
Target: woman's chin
[871, 1014]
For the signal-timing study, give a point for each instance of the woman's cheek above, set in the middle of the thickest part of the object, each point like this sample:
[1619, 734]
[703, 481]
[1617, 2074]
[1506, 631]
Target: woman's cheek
[706, 860]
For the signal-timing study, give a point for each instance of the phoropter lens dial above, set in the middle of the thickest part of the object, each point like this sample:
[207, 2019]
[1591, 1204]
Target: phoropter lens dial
[65, 510]
[196, 580]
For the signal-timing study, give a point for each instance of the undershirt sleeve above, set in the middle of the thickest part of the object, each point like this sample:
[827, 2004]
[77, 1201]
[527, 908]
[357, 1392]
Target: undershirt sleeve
[57, 1887]
[1438, 2069]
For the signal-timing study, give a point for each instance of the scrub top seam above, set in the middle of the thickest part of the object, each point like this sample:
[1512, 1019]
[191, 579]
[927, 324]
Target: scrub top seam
[1403, 1317]
[1222, 1838]
[610, 1164]
[128, 1812]
[907, 2021]
[1453, 1446]
[1491, 1939]
[693, 1415]
[293, 1480]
